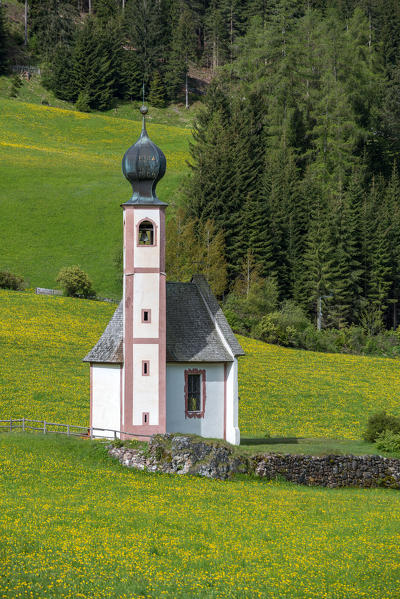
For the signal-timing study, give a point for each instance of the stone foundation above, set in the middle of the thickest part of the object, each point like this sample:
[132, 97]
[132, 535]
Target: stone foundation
[183, 454]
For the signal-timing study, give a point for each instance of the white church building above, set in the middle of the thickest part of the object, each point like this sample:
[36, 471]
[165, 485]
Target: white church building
[167, 360]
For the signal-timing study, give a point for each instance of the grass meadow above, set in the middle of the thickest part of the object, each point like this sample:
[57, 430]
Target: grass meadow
[76, 524]
[283, 391]
[61, 187]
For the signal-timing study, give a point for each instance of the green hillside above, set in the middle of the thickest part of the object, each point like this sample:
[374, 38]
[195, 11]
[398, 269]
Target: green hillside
[284, 391]
[75, 524]
[61, 187]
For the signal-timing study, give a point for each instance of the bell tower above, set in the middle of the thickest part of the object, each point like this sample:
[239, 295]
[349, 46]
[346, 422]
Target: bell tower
[144, 291]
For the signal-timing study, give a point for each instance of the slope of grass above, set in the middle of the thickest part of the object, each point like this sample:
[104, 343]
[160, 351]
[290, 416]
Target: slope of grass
[42, 343]
[292, 393]
[61, 187]
[33, 92]
[297, 393]
[74, 524]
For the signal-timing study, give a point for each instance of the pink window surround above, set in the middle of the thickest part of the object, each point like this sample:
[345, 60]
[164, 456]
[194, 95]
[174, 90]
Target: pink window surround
[145, 368]
[145, 418]
[146, 219]
[148, 320]
[198, 413]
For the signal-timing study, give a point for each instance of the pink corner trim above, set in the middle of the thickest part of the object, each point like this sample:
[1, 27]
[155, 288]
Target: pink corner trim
[200, 413]
[225, 391]
[91, 396]
[148, 320]
[154, 232]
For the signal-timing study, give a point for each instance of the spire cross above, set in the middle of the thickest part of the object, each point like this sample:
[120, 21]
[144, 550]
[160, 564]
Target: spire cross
[143, 111]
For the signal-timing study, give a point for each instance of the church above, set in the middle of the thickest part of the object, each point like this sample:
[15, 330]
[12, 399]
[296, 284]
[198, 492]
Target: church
[168, 359]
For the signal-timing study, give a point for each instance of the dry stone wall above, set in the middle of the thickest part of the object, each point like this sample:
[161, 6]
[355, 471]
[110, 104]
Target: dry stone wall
[183, 454]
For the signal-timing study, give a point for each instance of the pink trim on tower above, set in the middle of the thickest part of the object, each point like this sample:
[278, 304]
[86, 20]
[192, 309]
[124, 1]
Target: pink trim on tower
[121, 397]
[148, 320]
[225, 390]
[145, 340]
[128, 318]
[142, 220]
[91, 395]
[162, 332]
[146, 269]
[162, 240]
[199, 413]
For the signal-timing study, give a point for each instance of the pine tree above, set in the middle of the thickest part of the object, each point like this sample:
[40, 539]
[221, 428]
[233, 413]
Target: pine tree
[53, 23]
[182, 51]
[390, 216]
[131, 76]
[59, 76]
[95, 64]
[3, 43]
[217, 36]
[379, 268]
[147, 32]
[212, 257]
[105, 10]
[318, 264]
[347, 280]
[157, 91]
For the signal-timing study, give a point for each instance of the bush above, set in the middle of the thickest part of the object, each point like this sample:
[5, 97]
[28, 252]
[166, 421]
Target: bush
[8, 280]
[284, 326]
[388, 441]
[16, 84]
[380, 423]
[83, 102]
[75, 282]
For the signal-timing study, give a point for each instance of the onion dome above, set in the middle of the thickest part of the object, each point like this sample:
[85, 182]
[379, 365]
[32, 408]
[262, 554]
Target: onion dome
[144, 165]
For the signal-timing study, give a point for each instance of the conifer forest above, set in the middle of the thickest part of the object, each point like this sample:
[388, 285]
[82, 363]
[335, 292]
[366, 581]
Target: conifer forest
[294, 187]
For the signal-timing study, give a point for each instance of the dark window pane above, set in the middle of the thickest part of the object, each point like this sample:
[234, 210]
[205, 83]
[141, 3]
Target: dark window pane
[194, 392]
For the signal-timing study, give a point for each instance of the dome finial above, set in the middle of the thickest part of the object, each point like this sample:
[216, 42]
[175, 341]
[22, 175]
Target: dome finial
[144, 165]
[143, 110]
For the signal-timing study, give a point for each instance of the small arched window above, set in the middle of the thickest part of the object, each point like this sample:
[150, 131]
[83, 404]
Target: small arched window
[146, 233]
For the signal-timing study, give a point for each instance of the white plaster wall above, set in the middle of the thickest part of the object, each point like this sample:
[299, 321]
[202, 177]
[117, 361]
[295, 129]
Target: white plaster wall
[146, 295]
[106, 387]
[212, 425]
[146, 390]
[232, 404]
[147, 256]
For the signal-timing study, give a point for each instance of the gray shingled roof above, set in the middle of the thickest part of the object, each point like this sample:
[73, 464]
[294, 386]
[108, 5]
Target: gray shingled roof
[216, 311]
[109, 346]
[191, 333]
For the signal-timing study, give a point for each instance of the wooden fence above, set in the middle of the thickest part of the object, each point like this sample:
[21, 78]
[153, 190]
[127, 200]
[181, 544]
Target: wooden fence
[72, 430]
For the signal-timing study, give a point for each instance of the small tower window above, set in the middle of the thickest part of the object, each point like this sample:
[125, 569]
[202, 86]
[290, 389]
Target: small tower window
[145, 368]
[146, 316]
[146, 233]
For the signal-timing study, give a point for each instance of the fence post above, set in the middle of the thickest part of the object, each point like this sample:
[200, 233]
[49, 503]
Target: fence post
[23, 423]
[44, 426]
[10, 424]
[68, 429]
[115, 435]
[91, 432]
